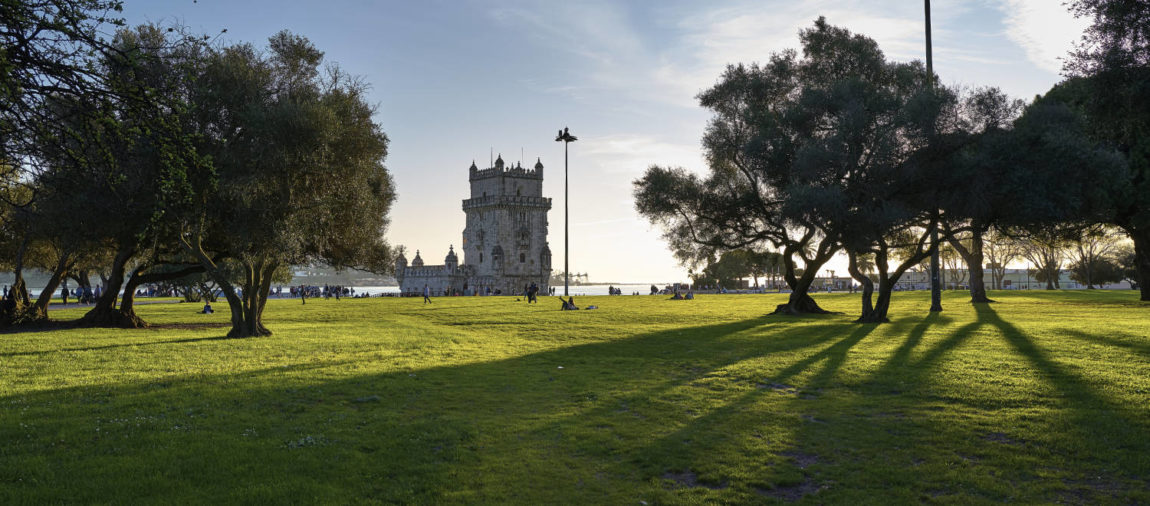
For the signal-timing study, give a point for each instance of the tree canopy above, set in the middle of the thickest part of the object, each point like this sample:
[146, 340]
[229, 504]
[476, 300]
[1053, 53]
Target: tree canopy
[1110, 80]
[292, 172]
[228, 160]
[805, 155]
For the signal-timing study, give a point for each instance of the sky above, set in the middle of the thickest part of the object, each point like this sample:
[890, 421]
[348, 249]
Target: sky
[460, 80]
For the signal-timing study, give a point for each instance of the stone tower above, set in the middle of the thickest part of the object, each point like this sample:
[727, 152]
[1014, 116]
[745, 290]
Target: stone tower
[505, 239]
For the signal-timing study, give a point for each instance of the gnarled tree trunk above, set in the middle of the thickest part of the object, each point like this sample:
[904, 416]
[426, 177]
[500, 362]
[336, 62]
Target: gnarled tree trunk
[864, 281]
[973, 258]
[886, 282]
[127, 304]
[877, 313]
[800, 301]
[247, 316]
[882, 305]
[1141, 239]
[15, 306]
[82, 278]
[104, 313]
[39, 310]
[247, 307]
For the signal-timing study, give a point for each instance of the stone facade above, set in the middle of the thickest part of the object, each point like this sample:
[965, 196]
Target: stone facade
[504, 240]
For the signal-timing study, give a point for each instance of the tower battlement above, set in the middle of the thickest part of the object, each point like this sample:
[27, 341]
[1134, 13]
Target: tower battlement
[506, 170]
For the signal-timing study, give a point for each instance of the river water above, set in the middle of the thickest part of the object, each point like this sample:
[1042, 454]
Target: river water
[575, 290]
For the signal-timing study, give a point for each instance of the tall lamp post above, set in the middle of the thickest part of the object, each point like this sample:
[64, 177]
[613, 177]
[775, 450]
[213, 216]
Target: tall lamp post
[935, 288]
[566, 138]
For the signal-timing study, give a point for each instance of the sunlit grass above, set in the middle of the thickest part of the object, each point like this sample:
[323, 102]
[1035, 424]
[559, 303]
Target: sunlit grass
[1041, 397]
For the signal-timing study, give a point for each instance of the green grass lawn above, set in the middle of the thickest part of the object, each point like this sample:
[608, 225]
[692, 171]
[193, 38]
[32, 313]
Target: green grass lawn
[1042, 397]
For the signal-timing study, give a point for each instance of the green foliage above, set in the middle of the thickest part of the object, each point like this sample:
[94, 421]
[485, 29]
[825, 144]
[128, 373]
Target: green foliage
[288, 171]
[1097, 271]
[728, 269]
[735, 265]
[50, 51]
[297, 162]
[1037, 399]
[1126, 259]
[1112, 80]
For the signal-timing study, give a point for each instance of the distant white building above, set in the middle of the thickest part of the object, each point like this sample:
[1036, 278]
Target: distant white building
[504, 241]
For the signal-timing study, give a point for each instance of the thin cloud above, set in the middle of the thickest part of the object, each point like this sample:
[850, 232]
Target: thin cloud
[631, 154]
[1044, 29]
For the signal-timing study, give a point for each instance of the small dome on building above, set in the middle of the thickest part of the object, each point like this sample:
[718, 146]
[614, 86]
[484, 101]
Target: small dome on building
[417, 261]
[451, 258]
[538, 164]
[473, 167]
[499, 161]
[401, 260]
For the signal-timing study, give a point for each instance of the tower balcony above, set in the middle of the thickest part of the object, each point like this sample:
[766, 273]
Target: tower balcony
[507, 201]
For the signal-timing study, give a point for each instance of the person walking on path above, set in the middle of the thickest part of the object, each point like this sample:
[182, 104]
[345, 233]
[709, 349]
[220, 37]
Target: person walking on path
[426, 295]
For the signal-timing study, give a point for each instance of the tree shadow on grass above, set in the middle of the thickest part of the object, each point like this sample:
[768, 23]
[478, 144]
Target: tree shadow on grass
[871, 426]
[1136, 344]
[40, 326]
[899, 366]
[121, 345]
[1099, 421]
[423, 435]
[668, 416]
[906, 434]
[687, 454]
[1094, 445]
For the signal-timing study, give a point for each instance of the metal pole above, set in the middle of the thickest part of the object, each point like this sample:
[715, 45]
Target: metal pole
[566, 138]
[935, 288]
[566, 227]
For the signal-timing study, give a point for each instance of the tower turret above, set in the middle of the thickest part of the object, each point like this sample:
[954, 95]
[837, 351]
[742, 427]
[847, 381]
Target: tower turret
[451, 261]
[417, 261]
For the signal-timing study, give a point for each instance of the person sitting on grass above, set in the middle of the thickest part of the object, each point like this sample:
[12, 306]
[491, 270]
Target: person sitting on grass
[207, 308]
[690, 295]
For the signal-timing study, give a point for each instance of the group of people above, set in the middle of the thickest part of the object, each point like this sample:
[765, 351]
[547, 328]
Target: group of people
[690, 295]
[325, 291]
[157, 291]
[83, 294]
[675, 289]
[531, 292]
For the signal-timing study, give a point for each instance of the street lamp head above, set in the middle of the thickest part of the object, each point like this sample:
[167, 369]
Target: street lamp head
[565, 136]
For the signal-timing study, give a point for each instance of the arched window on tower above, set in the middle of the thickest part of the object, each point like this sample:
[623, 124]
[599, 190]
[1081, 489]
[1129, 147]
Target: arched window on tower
[522, 257]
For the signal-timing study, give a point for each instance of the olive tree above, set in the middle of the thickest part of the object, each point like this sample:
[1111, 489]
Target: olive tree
[291, 172]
